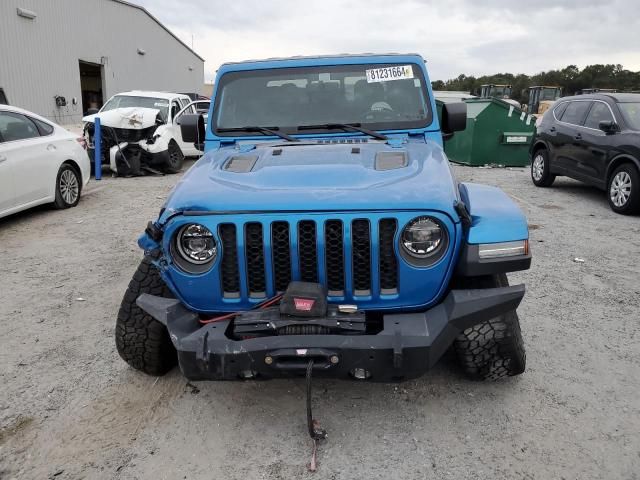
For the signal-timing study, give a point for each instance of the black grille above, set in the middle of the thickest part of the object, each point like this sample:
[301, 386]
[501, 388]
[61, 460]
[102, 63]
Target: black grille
[229, 262]
[361, 242]
[281, 255]
[254, 249]
[334, 257]
[388, 260]
[308, 251]
[331, 238]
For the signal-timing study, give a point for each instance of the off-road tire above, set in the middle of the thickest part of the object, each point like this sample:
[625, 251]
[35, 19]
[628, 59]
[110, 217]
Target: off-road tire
[175, 158]
[492, 349]
[544, 178]
[142, 341]
[631, 174]
[68, 187]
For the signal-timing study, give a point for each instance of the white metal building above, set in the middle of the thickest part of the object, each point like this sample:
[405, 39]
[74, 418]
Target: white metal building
[59, 58]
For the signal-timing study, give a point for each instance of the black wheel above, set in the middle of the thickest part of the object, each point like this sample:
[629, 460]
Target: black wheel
[540, 171]
[142, 341]
[623, 190]
[175, 158]
[68, 186]
[492, 349]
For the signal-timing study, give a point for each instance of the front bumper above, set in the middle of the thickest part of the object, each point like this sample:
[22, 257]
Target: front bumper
[408, 345]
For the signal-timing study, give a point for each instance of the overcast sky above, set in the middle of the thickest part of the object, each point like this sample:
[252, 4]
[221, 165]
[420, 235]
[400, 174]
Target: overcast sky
[454, 36]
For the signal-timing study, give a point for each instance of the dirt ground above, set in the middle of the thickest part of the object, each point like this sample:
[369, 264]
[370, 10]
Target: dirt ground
[70, 408]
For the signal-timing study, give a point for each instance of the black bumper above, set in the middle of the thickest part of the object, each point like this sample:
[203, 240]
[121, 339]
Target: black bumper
[408, 345]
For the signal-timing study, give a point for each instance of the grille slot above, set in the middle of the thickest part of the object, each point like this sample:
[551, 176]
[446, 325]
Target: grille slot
[229, 262]
[308, 251]
[254, 251]
[334, 257]
[361, 248]
[388, 261]
[281, 255]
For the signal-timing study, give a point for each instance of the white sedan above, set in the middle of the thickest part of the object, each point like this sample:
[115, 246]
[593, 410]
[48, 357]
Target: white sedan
[40, 162]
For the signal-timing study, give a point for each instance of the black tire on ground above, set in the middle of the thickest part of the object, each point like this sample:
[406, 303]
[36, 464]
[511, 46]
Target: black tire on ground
[623, 189]
[540, 171]
[142, 341]
[68, 187]
[492, 349]
[175, 158]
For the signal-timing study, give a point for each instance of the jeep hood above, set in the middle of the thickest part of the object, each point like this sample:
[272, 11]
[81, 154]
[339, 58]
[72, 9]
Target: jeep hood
[133, 118]
[318, 177]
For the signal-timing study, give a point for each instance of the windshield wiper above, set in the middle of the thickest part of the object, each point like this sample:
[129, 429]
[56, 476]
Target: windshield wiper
[264, 130]
[345, 126]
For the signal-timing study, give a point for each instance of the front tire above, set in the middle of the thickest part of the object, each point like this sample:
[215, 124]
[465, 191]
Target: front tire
[540, 171]
[141, 340]
[175, 158]
[623, 190]
[68, 187]
[493, 349]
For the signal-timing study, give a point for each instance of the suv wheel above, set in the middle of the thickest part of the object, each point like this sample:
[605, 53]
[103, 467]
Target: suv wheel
[491, 349]
[141, 340]
[540, 171]
[624, 190]
[175, 159]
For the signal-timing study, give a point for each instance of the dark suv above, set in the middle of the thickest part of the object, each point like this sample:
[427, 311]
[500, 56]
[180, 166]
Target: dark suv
[594, 139]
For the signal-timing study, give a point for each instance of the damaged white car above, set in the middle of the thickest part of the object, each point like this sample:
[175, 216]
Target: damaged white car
[141, 133]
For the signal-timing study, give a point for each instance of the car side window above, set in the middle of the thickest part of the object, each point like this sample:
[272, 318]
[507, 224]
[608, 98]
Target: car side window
[575, 112]
[559, 110]
[43, 127]
[175, 108]
[14, 126]
[598, 113]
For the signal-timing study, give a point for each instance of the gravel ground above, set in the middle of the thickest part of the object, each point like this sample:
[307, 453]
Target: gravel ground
[70, 408]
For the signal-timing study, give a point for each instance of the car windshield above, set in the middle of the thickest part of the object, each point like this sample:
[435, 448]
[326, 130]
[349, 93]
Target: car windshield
[631, 113]
[549, 94]
[378, 97]
[125, 101]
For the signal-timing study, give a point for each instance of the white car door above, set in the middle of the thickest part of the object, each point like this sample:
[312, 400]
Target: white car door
[29, 157]
[198, 106]
[7, 192]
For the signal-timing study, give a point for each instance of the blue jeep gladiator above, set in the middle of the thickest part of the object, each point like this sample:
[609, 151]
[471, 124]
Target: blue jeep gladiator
[323, 230]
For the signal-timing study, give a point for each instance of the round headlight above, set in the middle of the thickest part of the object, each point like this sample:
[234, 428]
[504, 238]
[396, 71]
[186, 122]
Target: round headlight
[422, 237]
[196, 244]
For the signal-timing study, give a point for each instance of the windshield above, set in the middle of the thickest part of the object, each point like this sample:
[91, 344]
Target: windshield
[550, 94]
[631, 113]
[378, 97]
[124, 101]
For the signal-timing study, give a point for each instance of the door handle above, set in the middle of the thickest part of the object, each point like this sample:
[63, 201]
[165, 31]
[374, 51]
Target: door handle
[2, 158]
[552, 129]
[578, 137]
[51, 147]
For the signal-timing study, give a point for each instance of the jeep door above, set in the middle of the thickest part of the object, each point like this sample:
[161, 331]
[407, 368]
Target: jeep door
[568, 134]
[198, 106]
[594, 145]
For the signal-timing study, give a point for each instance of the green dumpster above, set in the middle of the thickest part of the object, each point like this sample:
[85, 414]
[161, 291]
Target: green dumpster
[497, 133]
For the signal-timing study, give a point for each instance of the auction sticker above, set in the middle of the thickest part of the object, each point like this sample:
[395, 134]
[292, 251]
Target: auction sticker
[386, 74]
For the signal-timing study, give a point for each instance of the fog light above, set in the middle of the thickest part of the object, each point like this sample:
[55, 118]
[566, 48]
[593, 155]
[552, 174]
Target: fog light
[504, 249]
[360, 374]
[334, 359]
[268, 360]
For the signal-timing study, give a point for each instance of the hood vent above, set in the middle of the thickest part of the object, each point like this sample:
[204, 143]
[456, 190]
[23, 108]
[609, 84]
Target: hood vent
[390, 160]
[241, 164]
[342, 140]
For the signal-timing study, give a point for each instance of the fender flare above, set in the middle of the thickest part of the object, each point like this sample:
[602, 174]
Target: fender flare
[619, 160]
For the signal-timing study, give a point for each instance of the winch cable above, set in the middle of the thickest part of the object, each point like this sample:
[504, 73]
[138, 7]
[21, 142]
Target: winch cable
[315, 432]
[262, 305]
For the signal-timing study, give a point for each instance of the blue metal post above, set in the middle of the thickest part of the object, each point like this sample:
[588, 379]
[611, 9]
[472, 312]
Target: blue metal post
[97, 149]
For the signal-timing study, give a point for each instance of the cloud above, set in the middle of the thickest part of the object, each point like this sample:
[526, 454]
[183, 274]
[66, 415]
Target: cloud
[458, 36]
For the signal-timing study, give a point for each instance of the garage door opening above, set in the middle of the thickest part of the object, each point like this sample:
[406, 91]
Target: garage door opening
[91, 82]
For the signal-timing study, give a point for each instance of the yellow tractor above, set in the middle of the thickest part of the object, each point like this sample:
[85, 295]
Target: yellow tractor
[503, 92]
[541, 98]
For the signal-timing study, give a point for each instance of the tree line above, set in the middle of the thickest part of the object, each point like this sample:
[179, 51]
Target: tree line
[570, 78]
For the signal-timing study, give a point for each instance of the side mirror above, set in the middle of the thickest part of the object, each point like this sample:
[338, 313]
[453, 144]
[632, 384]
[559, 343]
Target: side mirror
[608, 126]
[454, 118]
[192, 128]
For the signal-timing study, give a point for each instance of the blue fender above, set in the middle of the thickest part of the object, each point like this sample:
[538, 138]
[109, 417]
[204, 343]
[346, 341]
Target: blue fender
[495, 216]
